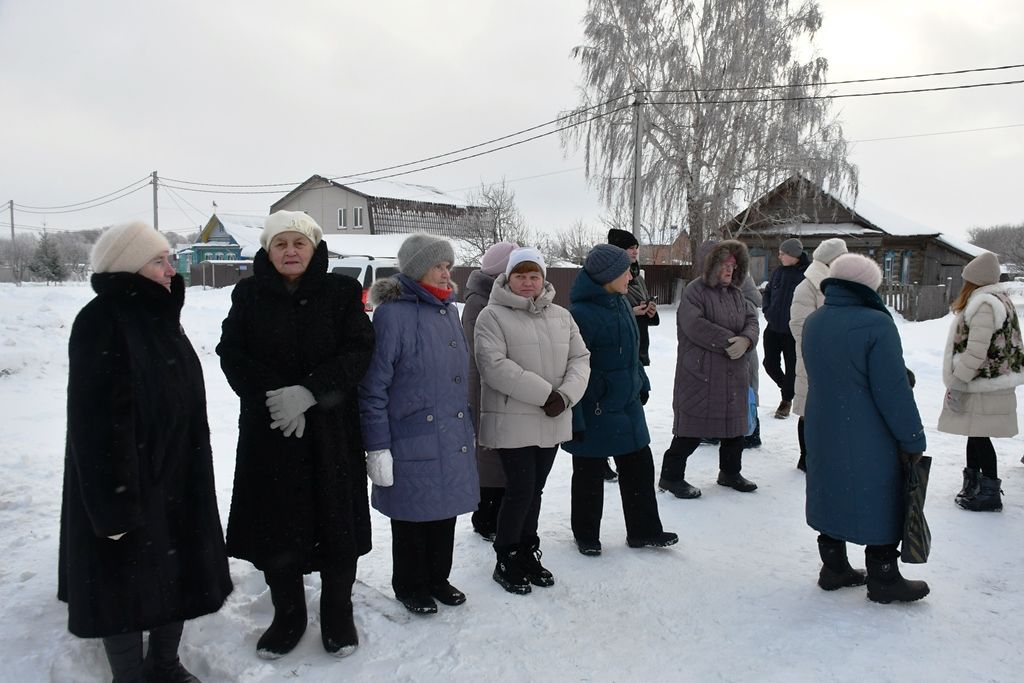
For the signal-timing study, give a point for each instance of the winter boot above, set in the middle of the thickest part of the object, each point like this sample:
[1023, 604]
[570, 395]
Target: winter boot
[609, 475]
[485, 519]
[987, 497]
[754, 440]
[508, 571]
[337, 627]
[673, 468]
[418, 603]
[736, 481]
[590, 548]
[885, 583]
[289, 598]
[535, 572]
[447, 594]
[167, 673]
[124, 654]
[162, 664]
[836, 571]
[662, 539]
[782, 412]
[971, 485]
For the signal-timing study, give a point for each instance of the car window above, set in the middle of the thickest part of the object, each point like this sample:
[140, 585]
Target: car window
[348, 270]
[386, 272]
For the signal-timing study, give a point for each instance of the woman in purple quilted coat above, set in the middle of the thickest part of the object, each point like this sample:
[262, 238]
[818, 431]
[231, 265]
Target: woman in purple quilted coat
[416, 421]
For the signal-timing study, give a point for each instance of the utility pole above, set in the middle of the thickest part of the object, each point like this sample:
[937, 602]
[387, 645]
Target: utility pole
[637, 159]
[156, 213]
[14, 269]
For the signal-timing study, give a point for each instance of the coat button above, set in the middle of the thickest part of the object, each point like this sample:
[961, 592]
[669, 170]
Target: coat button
[444, 311]
[452, 343]
[464, 449]
[430, 418]
[461, 414]
[458, 380]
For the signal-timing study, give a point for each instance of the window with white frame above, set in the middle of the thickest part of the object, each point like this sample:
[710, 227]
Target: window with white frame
[342, 219]
[357, 217]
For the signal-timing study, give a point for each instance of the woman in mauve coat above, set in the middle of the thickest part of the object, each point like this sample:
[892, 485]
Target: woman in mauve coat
[609, 420]
[417, 426]
[715, 328]
[492, 476]
[862, 423]
[294, 346]
[982, 366]
[141, 546]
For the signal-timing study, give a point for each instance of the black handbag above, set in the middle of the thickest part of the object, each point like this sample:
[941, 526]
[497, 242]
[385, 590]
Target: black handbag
[917, 537]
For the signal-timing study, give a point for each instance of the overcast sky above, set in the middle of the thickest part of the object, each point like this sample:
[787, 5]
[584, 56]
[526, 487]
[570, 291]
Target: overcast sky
[98, 94]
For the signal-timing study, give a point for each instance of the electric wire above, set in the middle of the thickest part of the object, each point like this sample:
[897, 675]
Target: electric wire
[942, 132]
[84, 208]
[90, 201]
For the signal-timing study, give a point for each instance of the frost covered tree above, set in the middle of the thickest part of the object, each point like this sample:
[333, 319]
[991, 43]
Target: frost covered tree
[1005, 240]
[46, 262]
[729, 108]
[503, 221]
[17, 253]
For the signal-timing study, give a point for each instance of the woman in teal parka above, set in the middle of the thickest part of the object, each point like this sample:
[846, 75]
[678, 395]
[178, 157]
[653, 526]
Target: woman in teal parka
[862, 421]
[609, 421]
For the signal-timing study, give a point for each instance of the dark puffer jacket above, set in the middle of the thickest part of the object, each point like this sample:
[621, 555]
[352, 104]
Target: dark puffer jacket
[298, 503]
[609, 420]
[138, 462]
[709, 397]
[778, 295]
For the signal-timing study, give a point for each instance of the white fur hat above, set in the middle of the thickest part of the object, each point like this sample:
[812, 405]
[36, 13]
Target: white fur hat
[829, 250]
[290, 221]
[127, 248]
[857, 268]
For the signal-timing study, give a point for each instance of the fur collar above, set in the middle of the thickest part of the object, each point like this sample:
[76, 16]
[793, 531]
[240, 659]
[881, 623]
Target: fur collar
[816, 272]
[399, 287]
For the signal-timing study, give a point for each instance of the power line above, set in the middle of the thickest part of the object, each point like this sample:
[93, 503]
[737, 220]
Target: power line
[90, 201]
[879, 79]
[172, 194]
[944, 132]
[84, 208]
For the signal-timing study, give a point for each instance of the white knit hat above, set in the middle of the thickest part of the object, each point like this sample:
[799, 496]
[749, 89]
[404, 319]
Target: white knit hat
[290, 221]
[524, 255]
[127, 248]
[983, 269]
[857, 268]
[829, 250]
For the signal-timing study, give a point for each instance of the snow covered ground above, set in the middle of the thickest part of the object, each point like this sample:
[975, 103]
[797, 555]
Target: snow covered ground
[735, 600]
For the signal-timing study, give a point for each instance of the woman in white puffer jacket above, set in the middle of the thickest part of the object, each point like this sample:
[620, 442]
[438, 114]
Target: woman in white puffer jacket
[982, 365]
[807, 298]
[533, 366]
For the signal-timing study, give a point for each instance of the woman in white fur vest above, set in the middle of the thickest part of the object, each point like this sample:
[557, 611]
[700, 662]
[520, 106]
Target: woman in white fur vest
[533, 367]
[807, 298]
[982, 365]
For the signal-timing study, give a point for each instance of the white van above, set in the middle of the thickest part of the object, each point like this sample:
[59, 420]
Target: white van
[365, 269]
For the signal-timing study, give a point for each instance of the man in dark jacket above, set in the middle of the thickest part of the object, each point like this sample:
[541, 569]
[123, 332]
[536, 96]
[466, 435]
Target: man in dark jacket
[778, 340]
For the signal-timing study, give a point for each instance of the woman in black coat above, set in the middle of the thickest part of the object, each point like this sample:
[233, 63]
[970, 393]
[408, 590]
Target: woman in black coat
[141, 546]
[294, 346]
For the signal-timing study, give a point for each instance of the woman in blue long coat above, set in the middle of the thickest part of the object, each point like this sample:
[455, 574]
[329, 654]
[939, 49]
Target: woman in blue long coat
[417, 424]
[862, 421]
[609, 421]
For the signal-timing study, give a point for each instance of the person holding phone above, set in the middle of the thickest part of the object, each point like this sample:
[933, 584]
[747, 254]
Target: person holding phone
[645, 306]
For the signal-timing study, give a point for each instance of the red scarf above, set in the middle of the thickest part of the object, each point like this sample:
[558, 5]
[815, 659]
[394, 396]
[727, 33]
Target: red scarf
[440, 293]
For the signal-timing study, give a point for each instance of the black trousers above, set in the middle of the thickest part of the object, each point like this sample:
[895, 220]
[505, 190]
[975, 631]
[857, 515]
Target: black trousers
[981, 455]
[421, 555]
[642, 323]
[124, 651]
[526, 472]
[779, 346]
[800, 437]
[636, 487]
[879, 552]
[673, 466]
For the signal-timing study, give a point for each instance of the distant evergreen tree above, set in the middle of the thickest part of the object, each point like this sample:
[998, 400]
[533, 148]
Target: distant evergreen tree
[46, 262]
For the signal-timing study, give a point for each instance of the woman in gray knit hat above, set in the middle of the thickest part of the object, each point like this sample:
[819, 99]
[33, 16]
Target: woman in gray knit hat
[417, 423]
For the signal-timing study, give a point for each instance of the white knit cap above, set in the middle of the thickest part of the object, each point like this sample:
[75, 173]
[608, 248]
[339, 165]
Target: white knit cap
[127, 248]
[857, 268]
[983, 269]
[290, 221]
[523, 255]
[829, 250]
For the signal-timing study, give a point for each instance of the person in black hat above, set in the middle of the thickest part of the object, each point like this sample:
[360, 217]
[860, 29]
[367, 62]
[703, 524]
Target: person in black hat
[643, 304]
[779, 342]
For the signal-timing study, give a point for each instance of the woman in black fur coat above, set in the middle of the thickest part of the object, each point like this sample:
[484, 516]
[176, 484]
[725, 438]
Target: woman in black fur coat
[294, 347]
[141, 545]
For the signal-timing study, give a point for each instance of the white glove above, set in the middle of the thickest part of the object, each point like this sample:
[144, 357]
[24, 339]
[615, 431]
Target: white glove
[287, 403]
[296, 426]
[117, 537]
[737, 347]
[379, 467]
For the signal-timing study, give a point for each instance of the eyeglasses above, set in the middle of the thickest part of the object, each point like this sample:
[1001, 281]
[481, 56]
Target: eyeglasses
[730, 266]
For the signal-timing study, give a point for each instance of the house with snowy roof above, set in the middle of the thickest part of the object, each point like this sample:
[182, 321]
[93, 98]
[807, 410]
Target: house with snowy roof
[382, 207]
[231, 240]
[908, 253]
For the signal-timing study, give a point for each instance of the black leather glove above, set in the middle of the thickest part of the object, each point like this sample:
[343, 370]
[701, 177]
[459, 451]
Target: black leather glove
[555, 405]
[909, 459]
[644, 396]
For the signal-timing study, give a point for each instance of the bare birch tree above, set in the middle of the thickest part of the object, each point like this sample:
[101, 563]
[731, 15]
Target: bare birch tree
[729, 109]
[1005, 240]
[503, 222]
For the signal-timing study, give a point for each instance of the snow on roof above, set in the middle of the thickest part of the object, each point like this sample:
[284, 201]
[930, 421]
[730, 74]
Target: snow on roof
[799, 229]
[382, 246]
[245, 230]
[396, 190]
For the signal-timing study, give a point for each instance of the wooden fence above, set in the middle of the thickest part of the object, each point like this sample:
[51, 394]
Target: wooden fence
[917, 302]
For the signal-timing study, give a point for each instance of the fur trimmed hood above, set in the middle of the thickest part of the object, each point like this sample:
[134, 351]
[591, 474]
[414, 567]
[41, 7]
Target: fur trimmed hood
[401, 287]
[712, 255]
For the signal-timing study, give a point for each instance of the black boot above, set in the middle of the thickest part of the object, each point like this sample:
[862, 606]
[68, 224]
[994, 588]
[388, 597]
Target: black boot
[337, 626]
[508, 571]
[673, 469]
[885, 584]
[836, 571]
[289, 598]
[736, 481]
[534, 571]
[972, 479]
[754, 440]
[124, 653]
[986, 498]
[162, 664]
[662, 539]
[485, 519]
[609, 475]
